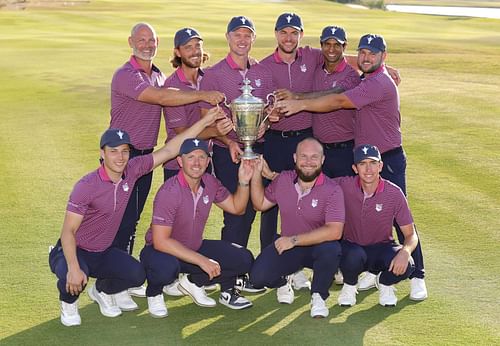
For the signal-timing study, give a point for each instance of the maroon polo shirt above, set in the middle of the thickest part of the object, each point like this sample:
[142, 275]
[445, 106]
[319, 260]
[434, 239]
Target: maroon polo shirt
[141, 120]
[304, 212]
[297, 76]
[180, 116]
[227, 77]
[102, 203]
[336, 126]
[378, 120]
[176, 206]
[369, 220]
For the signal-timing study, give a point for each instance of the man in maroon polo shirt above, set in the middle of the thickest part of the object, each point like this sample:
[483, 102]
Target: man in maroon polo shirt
[372, 205]
[93, 215]
[137, 97]
[312, 217]
[188, 57]
[174, 242]
[377, 121]
[227, 76]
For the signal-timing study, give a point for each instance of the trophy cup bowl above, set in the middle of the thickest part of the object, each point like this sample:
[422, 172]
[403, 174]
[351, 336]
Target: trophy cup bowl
[247, 114]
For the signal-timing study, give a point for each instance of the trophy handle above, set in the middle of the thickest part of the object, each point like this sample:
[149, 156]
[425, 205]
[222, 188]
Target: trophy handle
[224, 102]
[271, 99]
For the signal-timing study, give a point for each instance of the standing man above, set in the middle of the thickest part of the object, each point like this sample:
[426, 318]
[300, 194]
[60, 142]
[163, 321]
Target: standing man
[377, 121]
[93, 214]
[175, 243]
[372, 205]
[312, 217]
[136, 101]
[187, 60]
[227, 77]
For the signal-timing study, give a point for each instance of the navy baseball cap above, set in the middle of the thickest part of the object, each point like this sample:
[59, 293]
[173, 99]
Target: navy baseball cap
[114, 137]
[335, 32]
[240, 22]
[366, 151]
[191, 144]
[184, 35]
[291, 20]
[375, 43]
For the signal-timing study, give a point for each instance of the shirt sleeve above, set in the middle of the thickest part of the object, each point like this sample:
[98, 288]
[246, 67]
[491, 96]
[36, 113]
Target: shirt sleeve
[367, 92]
[79, 199]
[403, 214]
[140, 165]
[221, 193]
[164, 208]
[208, 82]
[335, 208]
[129, 82]
[270, 190]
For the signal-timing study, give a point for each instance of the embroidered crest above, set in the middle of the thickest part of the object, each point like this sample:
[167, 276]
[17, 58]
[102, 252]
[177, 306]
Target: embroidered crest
[378, 207]
[243, 20]
[125, 187]
[365, 150]
[258, 83]
[188, 31]
[370, 39]
[205, 199]
[314, 203]
[303, 68]
[334, 84]
[120, 134]
[288, 19]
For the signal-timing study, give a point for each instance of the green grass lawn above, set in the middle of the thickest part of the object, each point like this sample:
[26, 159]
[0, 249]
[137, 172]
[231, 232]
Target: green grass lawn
[56, 64]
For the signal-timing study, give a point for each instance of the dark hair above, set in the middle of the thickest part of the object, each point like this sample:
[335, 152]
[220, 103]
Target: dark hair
[176, 60]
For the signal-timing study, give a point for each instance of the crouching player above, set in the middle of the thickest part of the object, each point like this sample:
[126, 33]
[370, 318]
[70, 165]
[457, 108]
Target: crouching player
[175, 244]
[372, 204]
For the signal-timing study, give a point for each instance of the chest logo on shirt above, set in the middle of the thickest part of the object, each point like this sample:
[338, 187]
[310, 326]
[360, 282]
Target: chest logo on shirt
[379, 207]
[303, 68]
[334, 84]
[258, 83]
[125, 187]
[314, 203]
[205, 199]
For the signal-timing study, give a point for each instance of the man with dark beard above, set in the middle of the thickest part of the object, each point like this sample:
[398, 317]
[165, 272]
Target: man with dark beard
[312, 219]
[377, 121]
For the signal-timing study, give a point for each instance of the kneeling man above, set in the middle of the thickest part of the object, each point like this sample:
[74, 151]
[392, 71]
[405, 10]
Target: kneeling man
[175, 243]
[372, 205]
[312, 217]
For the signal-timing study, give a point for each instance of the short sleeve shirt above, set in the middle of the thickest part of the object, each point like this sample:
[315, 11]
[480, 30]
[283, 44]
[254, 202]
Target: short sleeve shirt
[297, 76]
[378, 120]
[141, 120]
[102, 203]
[304, 213]
[336, 126]
[369, 220]
[176, 206]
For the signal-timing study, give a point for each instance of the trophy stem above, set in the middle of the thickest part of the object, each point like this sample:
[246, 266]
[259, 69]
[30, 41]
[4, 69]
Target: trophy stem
[248, 153]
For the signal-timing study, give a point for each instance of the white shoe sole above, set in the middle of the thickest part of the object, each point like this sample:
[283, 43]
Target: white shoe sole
[157, 316]
[186, 292]
[103, 312]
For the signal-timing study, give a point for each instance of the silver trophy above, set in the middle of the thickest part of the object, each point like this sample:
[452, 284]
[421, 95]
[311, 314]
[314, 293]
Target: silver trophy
[247, 113]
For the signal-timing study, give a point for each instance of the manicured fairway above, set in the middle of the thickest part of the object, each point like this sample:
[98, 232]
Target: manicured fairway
[56, 64]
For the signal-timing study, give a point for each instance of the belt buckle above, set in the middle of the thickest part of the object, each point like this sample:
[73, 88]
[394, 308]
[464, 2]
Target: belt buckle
[283, 135]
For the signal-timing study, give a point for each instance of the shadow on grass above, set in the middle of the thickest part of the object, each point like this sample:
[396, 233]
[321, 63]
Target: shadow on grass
[267, 322]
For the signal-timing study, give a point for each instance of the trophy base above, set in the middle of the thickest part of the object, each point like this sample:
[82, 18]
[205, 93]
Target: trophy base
[248, 153]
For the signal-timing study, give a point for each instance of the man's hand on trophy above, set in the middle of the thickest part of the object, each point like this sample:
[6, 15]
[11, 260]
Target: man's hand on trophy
[213, 97]
[289, 107]
[235, 151]
[224, 125]
[274, 116]
[284, 94]
[246, 170]
[214, 115]
[262, 129]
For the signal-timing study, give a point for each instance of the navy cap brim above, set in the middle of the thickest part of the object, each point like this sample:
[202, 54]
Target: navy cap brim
[243, 26]
[189, 39]
[335, 38]
[373, 49]
[288, 26]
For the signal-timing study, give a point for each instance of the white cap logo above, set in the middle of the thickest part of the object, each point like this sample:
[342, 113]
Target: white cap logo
[365, 150]
[288, 19]
[333, 31]
[120, 134]
[243, 20]
[196, 142]
[370, 39]
[188, 31]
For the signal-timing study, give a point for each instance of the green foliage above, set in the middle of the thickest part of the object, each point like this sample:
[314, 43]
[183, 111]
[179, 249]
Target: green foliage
[56, 65]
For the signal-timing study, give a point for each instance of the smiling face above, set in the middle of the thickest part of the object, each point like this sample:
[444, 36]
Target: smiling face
[308, 160]
[191, 53]
[240, 41]
[288, 39]
[369, 61]
[332, 51]
[194, 164]
[368, 170]
[115, 159]
[144, 43]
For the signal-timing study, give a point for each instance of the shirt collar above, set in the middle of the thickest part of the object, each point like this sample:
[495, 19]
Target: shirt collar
[183, 182]
[340, 66]
[320, 180]
[104, 175]
[278, 59]
[136, 66]
[374, 73]
[182, 77]
[230, 61]
[380, 186]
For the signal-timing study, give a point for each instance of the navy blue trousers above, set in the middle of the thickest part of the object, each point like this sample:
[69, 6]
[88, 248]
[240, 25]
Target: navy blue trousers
[236, 228]
[270, 268]
[338, 159]
[114, 268]
[125, 236]
[162, 268]
[394, 170]
[278, 152]
[374, 258]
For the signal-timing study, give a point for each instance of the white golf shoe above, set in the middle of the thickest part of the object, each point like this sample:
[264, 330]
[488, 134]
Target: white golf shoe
[318, 306]
[285, 294]
[367, 281]
[157, 307]
[198, 294]
[125, 301]
[418, 290]
[107, 303]
[69, 314]
[347, 296]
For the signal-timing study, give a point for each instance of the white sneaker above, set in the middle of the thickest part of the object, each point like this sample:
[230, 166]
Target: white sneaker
[338, 278]
[367, 281]
[173, 289]
[234, 300]
[318, 306]
[198, 294]
[157, 307]
[418, 290]
[69, 314]
[347, 296]
[139, 292]
[125, 301]
[387, 297]
[300, 280]
[107, 303]
[285, 293]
